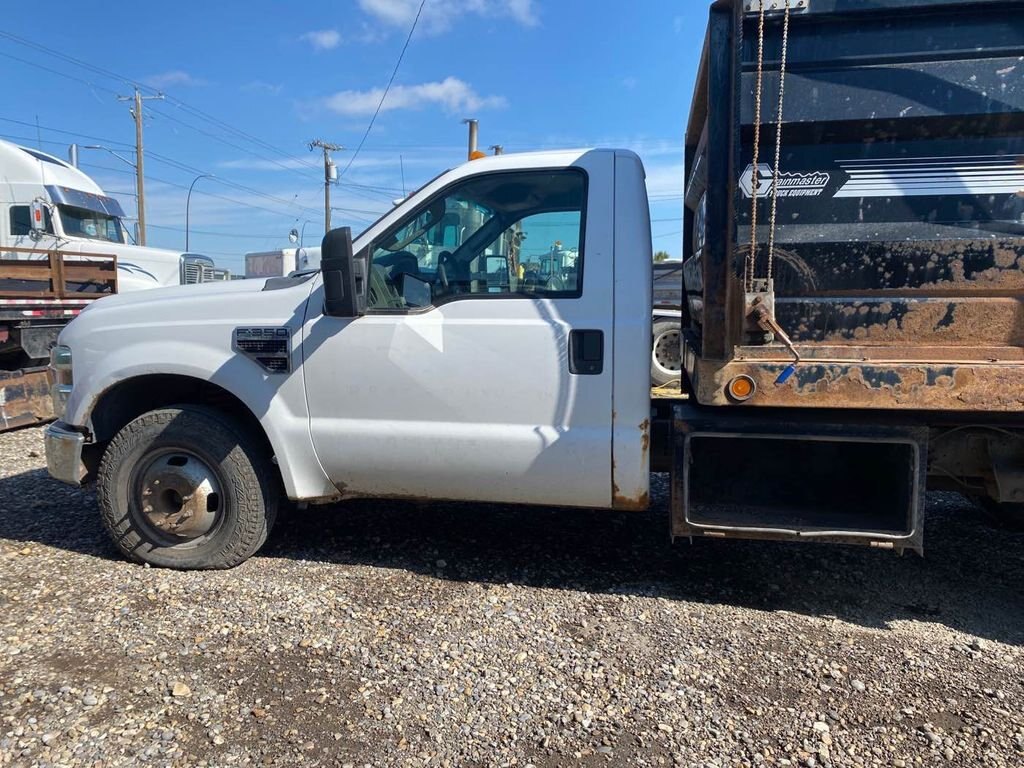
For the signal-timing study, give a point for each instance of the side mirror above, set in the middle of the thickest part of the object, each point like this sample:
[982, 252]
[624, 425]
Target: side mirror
[344, 276]
[38, 215]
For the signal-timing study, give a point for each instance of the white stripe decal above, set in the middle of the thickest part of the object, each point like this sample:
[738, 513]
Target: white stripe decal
[940, 159]
[926, 172]
[909, 177]
[904, 191]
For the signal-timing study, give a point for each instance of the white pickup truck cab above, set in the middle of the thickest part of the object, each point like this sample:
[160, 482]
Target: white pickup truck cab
[79, 218]
[467, 370]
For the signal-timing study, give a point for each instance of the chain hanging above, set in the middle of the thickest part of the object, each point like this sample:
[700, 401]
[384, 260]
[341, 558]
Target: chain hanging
[778, 143]
[761, 293]
[750, 268]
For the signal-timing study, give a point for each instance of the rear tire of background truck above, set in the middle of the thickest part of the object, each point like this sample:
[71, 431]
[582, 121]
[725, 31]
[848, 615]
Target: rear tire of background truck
[187, 487]
[666, 353]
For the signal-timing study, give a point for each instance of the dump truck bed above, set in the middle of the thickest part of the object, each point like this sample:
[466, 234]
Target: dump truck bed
[899, 226]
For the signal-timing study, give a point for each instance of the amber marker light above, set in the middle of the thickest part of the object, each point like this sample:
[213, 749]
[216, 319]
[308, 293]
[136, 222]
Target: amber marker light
[741, 388]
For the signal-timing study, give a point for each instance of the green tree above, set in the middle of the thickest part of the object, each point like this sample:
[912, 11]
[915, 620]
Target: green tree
[661, 256]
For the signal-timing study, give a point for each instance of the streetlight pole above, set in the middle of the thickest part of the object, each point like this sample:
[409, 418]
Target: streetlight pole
[108, 149]
[188, 202]
[128, 162]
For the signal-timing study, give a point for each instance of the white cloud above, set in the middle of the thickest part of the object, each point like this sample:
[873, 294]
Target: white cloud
[322, 39]
[452, 94]
[439, 15]
[261, 86]
[173, 77]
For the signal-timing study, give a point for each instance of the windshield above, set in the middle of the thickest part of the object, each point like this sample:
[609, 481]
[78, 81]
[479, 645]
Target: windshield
[81, 222]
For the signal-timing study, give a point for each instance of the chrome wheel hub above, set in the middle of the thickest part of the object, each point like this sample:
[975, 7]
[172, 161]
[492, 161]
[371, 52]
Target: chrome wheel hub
[179, 495]
[666, 351]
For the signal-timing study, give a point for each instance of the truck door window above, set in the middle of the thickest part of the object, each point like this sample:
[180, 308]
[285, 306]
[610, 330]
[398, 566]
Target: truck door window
[547, 250]
[502, 235]
[21, 220]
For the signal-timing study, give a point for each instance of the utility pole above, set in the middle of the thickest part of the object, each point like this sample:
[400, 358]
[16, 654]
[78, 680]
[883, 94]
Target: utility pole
[474, 128]
[140, 186]
[330, 174]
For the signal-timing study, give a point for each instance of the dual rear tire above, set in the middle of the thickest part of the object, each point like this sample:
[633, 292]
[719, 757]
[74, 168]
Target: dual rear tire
[187, 487]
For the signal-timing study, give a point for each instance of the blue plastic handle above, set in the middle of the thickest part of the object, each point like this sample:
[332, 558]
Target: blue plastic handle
[786, 374]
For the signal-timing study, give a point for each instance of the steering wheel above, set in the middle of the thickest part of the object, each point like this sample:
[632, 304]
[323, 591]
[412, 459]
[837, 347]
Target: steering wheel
[444, 259]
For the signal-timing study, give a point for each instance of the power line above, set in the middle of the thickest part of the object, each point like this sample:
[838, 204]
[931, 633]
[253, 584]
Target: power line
[218, 234]
[56, 72]
[373, 190]
[143, 87]
[227, 143]
[72, 60]
[121, 144]
[152, 111]
[176, 102]
[355, 189]
[387, 88]
[185, 187]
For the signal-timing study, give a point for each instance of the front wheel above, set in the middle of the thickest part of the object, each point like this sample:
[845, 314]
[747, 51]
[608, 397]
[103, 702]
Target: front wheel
[187, 487]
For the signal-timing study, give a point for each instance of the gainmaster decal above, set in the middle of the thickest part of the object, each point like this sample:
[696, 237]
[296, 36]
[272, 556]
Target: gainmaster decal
[895, 177]
[790, 184]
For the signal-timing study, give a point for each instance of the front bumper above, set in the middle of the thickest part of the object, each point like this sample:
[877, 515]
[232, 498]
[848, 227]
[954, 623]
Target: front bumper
[64, 453]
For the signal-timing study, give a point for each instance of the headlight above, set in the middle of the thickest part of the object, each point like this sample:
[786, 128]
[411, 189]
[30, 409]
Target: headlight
[60, 378]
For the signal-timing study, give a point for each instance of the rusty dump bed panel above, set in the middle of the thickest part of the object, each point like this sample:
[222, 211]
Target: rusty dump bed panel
[899, 260]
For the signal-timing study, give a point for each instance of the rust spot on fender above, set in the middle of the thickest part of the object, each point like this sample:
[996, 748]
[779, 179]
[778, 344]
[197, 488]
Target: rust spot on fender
[627, 503]
[641, 500]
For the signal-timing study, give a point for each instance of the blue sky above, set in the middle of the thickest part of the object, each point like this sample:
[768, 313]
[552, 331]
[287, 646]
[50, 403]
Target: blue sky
[248, 85]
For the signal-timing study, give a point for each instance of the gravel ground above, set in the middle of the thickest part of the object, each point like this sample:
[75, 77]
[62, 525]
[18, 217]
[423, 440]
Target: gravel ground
[401, 634]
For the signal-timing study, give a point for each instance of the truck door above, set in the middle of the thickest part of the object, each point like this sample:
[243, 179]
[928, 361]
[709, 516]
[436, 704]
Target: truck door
[19, 230]
[477, 374]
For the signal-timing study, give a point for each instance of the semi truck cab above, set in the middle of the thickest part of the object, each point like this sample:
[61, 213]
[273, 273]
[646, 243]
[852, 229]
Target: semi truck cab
[48, 204]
